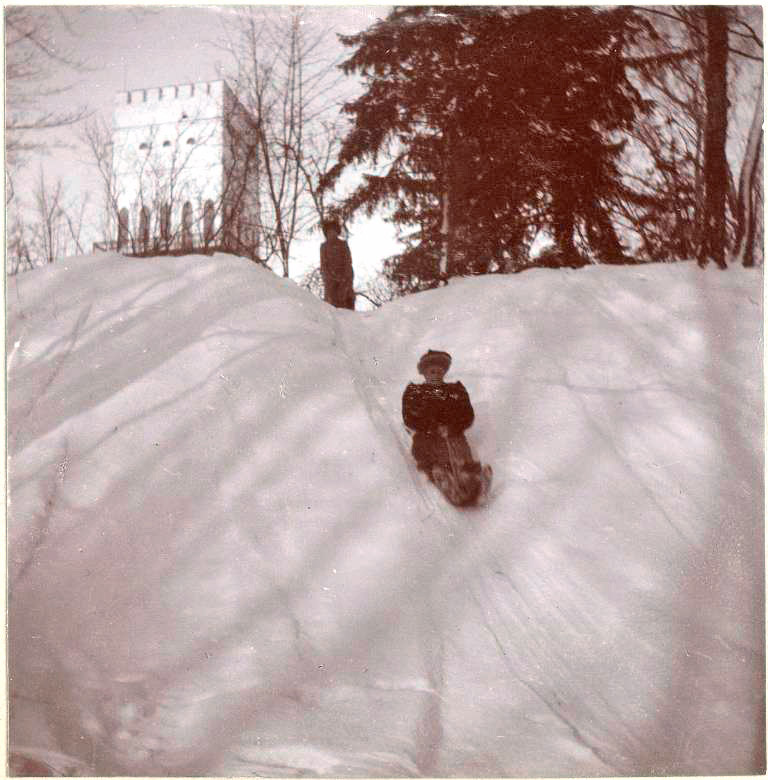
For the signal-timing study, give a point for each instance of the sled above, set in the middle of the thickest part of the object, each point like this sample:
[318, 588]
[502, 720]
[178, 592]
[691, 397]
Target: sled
[463, 483]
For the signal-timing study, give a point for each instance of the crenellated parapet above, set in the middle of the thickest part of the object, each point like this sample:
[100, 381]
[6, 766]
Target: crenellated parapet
[171, 92]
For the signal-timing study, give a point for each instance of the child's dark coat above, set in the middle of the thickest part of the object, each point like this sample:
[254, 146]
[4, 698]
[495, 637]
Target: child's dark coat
[427, 406]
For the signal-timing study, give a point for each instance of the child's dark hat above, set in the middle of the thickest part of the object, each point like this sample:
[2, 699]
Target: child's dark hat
[433, 357]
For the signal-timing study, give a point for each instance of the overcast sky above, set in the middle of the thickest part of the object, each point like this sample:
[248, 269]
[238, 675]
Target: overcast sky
[143, 46]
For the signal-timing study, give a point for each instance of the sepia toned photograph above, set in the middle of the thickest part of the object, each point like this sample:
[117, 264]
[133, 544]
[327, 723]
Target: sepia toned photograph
[384, 391]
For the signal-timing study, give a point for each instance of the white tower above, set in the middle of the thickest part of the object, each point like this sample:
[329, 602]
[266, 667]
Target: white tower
[185, 170]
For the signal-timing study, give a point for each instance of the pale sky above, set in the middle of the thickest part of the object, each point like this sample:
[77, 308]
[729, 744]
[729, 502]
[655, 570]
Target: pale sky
[143, 46]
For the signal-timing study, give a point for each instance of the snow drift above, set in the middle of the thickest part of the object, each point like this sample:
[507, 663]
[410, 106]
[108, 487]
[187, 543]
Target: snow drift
[222, 561]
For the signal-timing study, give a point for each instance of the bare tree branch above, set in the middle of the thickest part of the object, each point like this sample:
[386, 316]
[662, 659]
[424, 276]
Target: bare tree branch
[749, 35]
[288, 84]
[30, 53]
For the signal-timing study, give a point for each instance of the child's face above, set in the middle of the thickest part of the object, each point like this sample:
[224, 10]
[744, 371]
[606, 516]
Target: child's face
[434, 374]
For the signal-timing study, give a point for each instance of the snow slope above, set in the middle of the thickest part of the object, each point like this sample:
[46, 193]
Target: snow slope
[222, 561]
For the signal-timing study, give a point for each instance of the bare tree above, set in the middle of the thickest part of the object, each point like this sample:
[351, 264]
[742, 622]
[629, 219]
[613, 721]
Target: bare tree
[376, 291]
[287, 83]
[670, 139]
[74, 217]
[749, 194]
[32, 53]
[18, 253]
[672, 66]
[313, 281]
[51, 229]
[746, 216]
[320, 151]
[50, 218]
[96, 135]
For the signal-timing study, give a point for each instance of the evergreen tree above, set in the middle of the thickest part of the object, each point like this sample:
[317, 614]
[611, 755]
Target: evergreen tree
[512, 115]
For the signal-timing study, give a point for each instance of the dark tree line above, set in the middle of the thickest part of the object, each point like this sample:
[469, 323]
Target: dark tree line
[491, 124]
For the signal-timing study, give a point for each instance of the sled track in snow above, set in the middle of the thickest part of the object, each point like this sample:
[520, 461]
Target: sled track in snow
[378, 416]
[458, 525]
[431, 722]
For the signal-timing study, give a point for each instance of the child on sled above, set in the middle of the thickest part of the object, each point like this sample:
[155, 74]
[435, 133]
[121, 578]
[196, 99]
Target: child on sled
[438, 413]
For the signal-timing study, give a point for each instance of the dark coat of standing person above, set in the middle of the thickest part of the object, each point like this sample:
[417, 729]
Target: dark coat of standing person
[437, 410]
[336, 268]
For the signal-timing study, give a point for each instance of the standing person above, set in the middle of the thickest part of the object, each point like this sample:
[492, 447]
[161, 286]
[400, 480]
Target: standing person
[336, 267]
[439, 412]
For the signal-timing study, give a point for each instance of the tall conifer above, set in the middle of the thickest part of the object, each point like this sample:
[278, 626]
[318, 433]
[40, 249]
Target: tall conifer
[516, 113]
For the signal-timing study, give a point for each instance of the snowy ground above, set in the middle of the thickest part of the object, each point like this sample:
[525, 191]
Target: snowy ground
[222, 561]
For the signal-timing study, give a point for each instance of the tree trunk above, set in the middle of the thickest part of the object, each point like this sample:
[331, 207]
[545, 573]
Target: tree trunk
[715, 164]
[745, 218]
[748, 258]
[564, 221]
[447, 227]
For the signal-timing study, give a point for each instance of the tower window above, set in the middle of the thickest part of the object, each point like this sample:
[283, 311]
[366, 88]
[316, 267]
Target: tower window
[143, 145]
[144, 95]
[166, 143]
[190, 140]
[129, 98]
[160, 93]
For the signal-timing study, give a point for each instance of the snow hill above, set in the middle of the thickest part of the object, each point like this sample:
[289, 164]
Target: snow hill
[223, 562]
